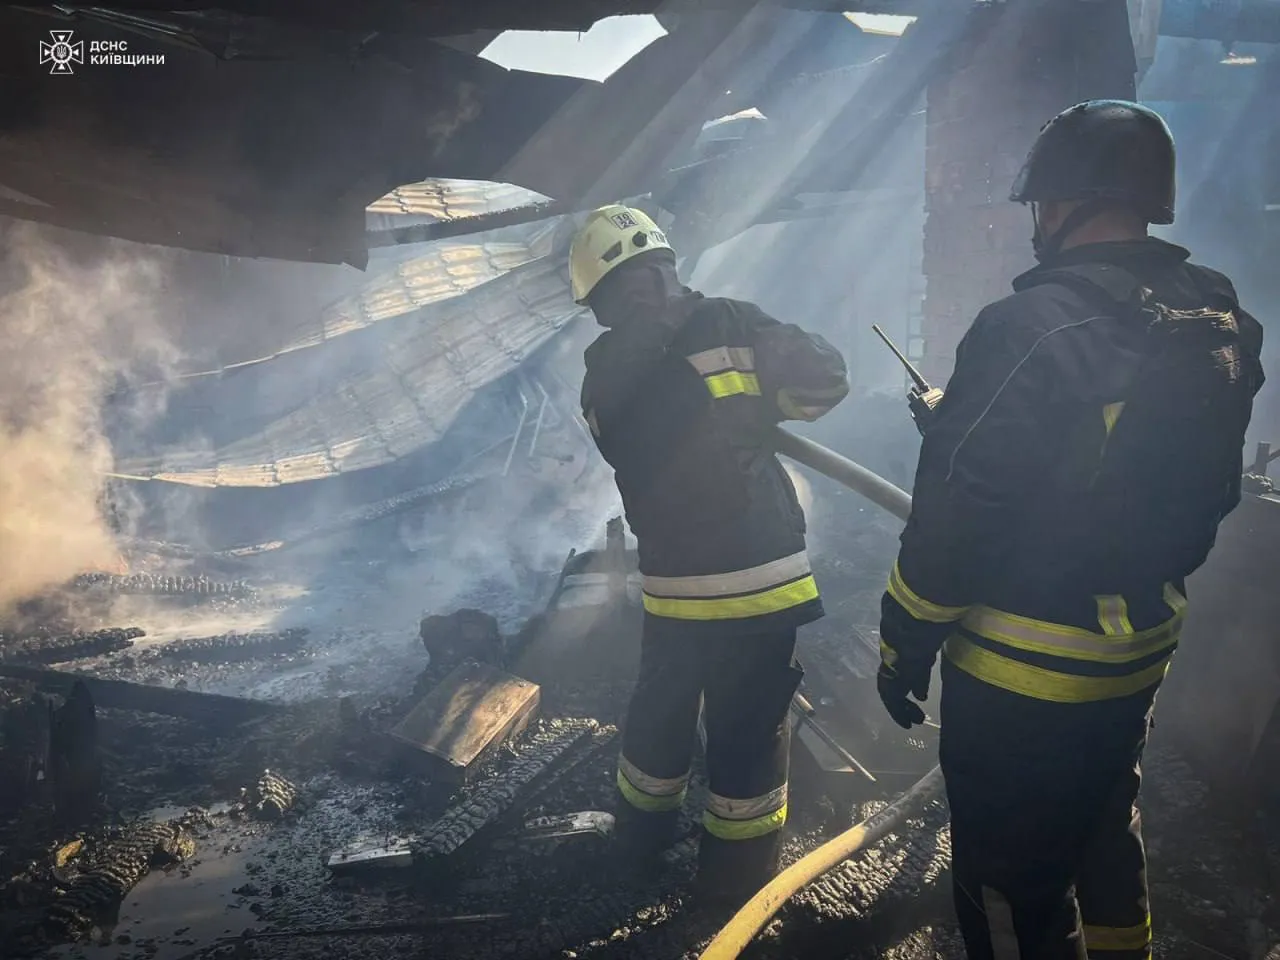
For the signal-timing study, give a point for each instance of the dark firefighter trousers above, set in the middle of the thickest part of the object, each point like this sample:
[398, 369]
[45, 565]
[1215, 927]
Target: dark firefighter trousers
[744, 683]
[1048, 861]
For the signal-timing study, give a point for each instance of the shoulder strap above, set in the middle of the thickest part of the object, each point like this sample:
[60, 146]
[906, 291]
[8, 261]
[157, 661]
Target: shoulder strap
[1213, 286]
[1101, 283]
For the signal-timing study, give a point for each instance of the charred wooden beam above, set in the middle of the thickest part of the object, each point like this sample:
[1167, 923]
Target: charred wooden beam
[233, 647]
[125, 695]
[43, 650]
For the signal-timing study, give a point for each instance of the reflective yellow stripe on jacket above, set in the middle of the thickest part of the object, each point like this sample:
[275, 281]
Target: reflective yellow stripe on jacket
[756, 591]
[918, 606]
[728, 371]
[1074, 665]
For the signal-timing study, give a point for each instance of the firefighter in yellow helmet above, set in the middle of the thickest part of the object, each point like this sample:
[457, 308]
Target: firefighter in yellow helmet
[681, 392]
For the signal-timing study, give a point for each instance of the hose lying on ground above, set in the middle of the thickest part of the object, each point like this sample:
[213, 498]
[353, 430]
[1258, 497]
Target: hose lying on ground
[751, 919]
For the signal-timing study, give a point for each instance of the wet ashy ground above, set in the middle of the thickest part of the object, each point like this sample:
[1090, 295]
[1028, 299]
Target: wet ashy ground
[260, 887]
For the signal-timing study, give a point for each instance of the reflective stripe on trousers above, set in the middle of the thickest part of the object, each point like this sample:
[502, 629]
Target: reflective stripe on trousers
[647, 793]
[756, 591]
[1119, 662]
[1107, 941]
[745, 819]
[1004, 937]
[1101, 942]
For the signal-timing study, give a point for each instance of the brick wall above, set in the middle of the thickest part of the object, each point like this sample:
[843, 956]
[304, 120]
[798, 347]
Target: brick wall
[1019, 63]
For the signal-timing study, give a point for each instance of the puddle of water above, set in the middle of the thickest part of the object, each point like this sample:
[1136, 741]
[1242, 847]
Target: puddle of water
[174, 811]
[166, 812]
[198, 903]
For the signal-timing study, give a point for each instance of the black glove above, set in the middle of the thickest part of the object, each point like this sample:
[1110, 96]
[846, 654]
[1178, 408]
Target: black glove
[894, 683]
[924, 407]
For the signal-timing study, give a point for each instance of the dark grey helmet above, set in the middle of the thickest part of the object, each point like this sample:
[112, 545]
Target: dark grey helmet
[1103, 149]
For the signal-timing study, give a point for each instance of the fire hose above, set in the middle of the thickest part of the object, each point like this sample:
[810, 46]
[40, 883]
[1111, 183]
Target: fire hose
[759, 910]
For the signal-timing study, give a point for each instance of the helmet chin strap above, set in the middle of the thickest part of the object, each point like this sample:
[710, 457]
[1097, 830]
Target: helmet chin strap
[1047, 247]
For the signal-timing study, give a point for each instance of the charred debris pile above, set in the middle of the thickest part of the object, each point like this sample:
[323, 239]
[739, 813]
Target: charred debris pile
[468, 812]
[481, 796]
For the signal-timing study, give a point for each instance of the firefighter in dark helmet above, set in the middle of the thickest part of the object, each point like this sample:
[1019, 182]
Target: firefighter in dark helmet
[681, 394]
[1088, 444]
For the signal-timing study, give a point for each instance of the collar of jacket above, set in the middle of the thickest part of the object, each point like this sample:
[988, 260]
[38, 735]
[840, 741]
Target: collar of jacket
[1137, 255]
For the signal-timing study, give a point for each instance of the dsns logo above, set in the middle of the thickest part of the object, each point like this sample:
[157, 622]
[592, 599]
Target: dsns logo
[62, 52]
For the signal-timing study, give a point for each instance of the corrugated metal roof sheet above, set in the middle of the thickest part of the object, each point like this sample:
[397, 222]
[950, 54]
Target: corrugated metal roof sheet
[427, 372]
[448, 270]
[445, 271]
[452, 199]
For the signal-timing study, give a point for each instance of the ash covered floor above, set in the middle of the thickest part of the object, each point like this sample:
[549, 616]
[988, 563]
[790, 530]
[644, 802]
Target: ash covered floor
[240, 867]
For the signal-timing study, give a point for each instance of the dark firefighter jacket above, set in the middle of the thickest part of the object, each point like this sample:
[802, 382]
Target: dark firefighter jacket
[1076, 473]
[683, 411]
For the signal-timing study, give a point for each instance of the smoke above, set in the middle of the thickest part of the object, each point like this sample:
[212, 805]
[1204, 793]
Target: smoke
[488, 550]
[72, 325]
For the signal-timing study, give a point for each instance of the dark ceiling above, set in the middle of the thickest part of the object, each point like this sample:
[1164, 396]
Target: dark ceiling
[270, 126]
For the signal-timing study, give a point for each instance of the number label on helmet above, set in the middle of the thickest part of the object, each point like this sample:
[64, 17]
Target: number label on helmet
[658, 236]
[624, 220]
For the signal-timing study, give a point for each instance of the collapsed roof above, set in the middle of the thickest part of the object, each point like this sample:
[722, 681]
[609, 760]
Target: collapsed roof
[422, 376]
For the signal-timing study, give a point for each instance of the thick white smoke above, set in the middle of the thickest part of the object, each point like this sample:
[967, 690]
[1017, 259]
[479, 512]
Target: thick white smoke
[71, 325]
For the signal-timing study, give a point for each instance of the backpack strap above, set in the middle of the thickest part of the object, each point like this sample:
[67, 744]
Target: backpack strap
[1104, 284]
[1110, 285]
[1214, 287]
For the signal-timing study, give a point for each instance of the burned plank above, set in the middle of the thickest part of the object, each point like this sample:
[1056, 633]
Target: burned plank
[234, 647]
[471, 713]
[125, 695]
[40, 650]
[536, 758]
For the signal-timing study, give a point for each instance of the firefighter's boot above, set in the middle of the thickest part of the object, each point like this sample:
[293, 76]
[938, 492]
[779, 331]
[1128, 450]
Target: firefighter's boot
[731, 872]
[640, 838]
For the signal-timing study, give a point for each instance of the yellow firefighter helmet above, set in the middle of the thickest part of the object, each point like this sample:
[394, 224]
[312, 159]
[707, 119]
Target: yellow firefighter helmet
[611, 235]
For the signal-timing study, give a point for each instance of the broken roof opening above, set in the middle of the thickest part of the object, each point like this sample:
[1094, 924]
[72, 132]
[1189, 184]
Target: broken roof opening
[593, 55]
[880, 24]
